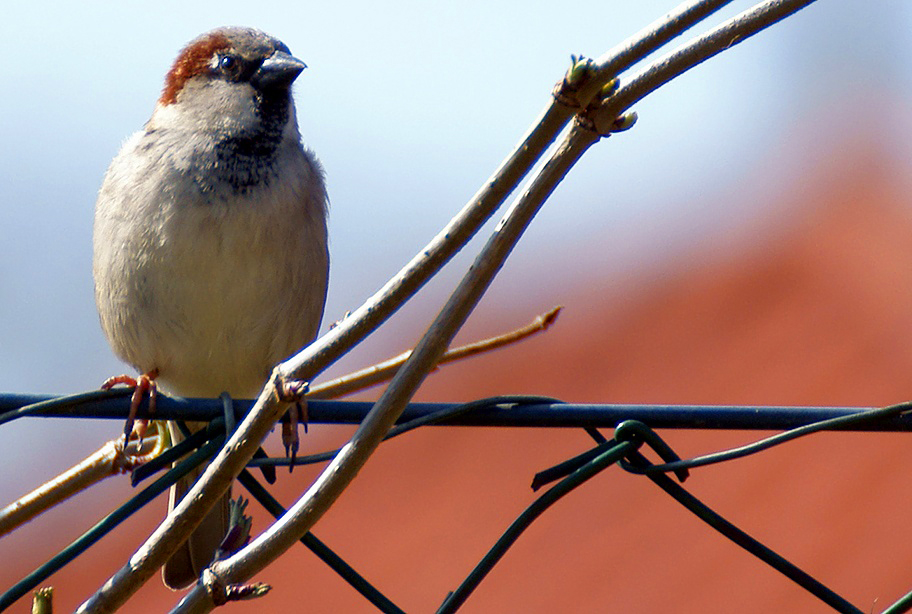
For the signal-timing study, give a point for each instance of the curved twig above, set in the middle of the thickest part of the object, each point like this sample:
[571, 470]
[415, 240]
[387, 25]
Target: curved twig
[385, 370]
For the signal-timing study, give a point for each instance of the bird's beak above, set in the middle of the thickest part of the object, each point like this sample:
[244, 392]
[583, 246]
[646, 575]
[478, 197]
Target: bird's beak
[279, 69]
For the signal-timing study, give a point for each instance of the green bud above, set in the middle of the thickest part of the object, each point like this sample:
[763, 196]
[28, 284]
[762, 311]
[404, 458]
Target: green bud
[578, 70]
[624, 122]
[609, 88]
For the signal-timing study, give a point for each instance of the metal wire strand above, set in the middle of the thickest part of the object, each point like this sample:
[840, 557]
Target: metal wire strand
[729, 530]
[442, 415]
[455, 599]
[841, 422]
[323, 552]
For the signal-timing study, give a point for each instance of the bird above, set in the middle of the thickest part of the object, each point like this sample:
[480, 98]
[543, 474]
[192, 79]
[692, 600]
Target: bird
[210, 256]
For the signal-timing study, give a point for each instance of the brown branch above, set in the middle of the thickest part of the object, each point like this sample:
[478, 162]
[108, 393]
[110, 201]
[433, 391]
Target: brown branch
[384, 371]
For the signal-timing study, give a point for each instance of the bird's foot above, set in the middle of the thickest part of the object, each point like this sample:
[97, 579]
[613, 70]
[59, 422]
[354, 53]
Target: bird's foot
[145, 383]
[293, 391]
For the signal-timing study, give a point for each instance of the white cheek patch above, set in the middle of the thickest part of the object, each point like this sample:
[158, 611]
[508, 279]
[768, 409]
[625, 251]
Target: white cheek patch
[211, 105]
[233, 105]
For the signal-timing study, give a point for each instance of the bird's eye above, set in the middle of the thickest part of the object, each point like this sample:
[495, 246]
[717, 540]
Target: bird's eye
[227, 63]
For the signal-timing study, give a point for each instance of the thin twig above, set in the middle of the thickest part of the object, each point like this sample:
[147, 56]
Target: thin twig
[657, 34]
[384, 371]
[724, 36]
[110, 459]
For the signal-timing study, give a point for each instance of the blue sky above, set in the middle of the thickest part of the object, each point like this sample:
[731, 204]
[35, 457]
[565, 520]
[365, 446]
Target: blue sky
[410, 106]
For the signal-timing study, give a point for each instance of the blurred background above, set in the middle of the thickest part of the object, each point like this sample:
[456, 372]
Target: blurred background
[746, 242]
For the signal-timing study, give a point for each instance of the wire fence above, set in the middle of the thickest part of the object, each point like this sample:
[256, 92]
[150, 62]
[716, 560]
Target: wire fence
[633, 434]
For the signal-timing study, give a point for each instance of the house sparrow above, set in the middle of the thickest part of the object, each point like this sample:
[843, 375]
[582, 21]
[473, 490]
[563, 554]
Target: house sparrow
[210, 254]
